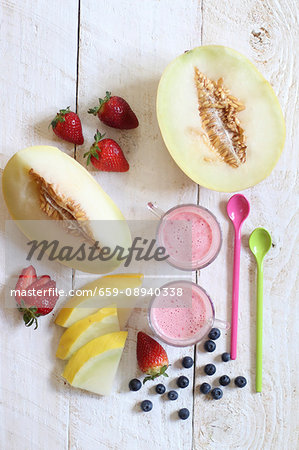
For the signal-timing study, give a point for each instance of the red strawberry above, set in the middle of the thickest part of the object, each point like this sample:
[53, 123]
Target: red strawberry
[27, 277]
[67, 126]
[151, 357]
[106, 155]
[44, 296]
[37, 298]
[115, 112]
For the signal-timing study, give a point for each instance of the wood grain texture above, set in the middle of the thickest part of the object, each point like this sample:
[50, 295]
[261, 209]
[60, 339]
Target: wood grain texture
[38, 45]
[266, 32]
[128, 59]
[124, 47]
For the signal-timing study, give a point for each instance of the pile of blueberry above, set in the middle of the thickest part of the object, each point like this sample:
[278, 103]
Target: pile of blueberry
[182, 382]
[210, 369]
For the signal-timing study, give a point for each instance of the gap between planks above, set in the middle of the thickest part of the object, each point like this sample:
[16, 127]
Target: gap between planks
[197, 202]
[68, 442]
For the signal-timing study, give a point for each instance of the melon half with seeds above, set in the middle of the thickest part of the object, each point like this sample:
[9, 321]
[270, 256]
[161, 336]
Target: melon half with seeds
[58, 204]
[220, 119]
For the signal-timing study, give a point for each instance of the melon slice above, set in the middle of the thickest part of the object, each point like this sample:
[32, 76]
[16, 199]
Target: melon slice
[54, 199]
[82, 306]
[85, 330]
[94, 366]
[220, 119]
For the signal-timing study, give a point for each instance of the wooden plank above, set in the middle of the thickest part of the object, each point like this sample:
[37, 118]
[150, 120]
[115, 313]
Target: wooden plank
[267, 33]
[38, 76]
[124, 48]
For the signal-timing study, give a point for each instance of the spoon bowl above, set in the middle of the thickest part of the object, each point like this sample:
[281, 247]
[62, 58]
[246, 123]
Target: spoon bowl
[260, 243]
[238, 209]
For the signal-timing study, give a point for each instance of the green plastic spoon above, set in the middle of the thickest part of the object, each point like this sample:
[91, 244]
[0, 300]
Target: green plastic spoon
[260, 243]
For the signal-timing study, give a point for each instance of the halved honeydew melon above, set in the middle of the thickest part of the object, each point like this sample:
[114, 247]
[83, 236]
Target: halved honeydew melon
[200, 95]
[53, 198]
[79, 306]
[104, 321]
[94, 366]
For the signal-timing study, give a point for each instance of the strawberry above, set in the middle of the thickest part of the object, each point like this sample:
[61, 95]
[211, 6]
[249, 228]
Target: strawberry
[67, 126]
[36, 296]
[27, 277]
[151, 357]
[115, 112]
[106, 155]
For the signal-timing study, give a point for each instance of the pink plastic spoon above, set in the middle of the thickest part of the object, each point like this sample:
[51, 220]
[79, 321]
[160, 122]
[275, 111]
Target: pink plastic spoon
[237, 209]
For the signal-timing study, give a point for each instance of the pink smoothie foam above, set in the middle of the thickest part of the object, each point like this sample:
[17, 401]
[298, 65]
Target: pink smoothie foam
[182, 318]
[191, 236]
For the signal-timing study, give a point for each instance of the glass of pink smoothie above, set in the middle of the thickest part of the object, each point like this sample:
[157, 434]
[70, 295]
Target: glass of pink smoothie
[182, 314]
[190, 234]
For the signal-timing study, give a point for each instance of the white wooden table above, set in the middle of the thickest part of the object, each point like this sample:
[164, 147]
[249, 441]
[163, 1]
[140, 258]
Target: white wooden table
[60, 53]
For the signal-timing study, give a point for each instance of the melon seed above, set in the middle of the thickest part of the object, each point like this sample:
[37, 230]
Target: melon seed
[218, 110]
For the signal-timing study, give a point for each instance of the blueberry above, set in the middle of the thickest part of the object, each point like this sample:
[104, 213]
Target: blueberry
[182, 382]
[240, 382]
[224, 380]
[146, 405]
[210, 369]
[225, 357]
[216, 393]
[187, 362]
[160, 389]
[209, 346]
[214, 334]
[205, 388]
[172, 395]
[135, 384]
[184, 413]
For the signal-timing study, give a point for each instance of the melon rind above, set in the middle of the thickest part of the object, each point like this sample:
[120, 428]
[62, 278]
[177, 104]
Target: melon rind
[80, 306]
[85, 330]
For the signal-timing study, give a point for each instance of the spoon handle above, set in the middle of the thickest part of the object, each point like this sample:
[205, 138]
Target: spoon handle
[235, 295]
[259, 328]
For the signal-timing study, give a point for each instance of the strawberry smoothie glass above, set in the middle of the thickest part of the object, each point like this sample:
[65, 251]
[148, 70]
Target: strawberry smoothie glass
[190, 234]
[182, 314]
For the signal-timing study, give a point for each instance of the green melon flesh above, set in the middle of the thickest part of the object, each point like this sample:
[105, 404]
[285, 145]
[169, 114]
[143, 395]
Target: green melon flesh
[98, 374]
[181, 125]
[93, 367]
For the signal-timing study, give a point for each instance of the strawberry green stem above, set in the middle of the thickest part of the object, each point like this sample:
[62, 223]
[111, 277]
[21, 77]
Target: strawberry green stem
[94, 149]
[102, 101]
[30, 315]
[152, 376]
[60, 117]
